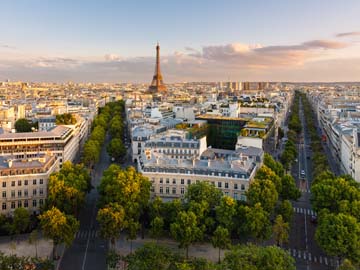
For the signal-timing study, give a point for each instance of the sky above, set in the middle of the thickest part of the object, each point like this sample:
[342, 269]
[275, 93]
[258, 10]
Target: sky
[201, 40]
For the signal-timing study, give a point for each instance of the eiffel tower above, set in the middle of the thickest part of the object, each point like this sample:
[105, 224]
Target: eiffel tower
[157, 84]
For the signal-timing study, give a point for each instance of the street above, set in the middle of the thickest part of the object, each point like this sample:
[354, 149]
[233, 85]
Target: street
[88, 250]
[302, 245]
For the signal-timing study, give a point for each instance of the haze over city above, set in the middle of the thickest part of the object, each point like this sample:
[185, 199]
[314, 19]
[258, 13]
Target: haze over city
[112, 41]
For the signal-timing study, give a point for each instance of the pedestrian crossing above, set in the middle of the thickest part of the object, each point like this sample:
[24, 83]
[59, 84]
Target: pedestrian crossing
[304, 211]
[307, 256]
[84, 234]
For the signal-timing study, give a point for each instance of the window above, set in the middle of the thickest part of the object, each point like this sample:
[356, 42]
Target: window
[13, 183]
[188, 181]
[34, 182]
[3, 184]
[3, 206]
[161, 180]
[226, 185]
[19, 183]
[19, 204]
[167, 181]
[226, 193]
[167, 190]
[41, 181]
[26, 204]
[182, 190]
[34, 203]
[34, 192]
[4, 194]
[242, 187]
[174, 181]
[174, 190]
[12, 205]
[41, 191]
[41, 202]
[26, 193]
[182, 181]
[26, 182]
[13, 194]
[235, 186]
[219, 184]
[161, 190]
[19, 193]
[152, 189]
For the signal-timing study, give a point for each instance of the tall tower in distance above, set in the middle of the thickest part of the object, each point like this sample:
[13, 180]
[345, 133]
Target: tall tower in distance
[157, 84]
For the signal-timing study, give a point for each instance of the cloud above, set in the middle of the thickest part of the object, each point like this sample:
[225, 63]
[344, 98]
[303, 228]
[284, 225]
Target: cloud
[6, 46]
[112, 57]
[210, 63]
[347, 34]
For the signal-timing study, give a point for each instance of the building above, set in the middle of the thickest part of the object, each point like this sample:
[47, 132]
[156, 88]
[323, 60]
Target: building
[24, 181]
[172, 162]
[157, 85]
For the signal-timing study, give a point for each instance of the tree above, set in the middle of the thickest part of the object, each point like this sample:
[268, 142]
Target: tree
[157, 227]
[132, 230]
[347, 265]
[22, 125]
[221, 239]
[116, 148]
[111, 220]
[204, 191]
[263, 192]
[185, 230]
[257, 223]
[34, 239]
[289, 191]
[273, 165]
[286, 210]
[65, 119]
[280, 231]
[225, 212]
[265, 173]
[339, 235]
[150, 256]
[91, 152]
[59, 227]
[21, 220]
[251, 257]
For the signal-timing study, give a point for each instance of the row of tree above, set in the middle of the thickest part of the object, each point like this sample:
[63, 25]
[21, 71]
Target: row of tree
[337, 202]
[152, 256]
[24, 125]
[66, 196]
[116, 148]
[319, 159]
[290, 152]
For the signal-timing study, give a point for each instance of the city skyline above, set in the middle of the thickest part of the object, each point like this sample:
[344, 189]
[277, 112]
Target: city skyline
[202, 41]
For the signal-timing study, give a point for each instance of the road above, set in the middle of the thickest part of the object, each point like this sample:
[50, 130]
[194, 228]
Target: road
[88, 250]
[302, 243]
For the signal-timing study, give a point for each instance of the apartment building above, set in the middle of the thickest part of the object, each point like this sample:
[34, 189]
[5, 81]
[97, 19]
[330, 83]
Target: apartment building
[172, 162]
[23, 181]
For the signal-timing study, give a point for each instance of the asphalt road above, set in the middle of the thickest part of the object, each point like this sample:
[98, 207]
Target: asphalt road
[302, 245]
[88, 250]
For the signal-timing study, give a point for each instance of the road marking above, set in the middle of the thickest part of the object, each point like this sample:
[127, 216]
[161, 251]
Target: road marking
[310, 257]
[326, 261]
[88, 240]
[315, 259]
[320, 259]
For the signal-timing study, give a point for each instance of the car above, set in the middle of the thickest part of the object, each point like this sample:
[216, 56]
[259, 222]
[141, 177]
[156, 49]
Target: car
[313, 219]
[302, 174]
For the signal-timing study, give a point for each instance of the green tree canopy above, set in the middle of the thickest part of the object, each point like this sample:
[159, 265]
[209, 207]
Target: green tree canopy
[257, 223]
[339, 235]
[251, 257]
[116, 148]
[263, 192]
[280, 231]
[204, 191]
[185, 230]
[21, 220]
[65, 119]
[22, 125]
[221, 239]
[112, 221]
[59, 227]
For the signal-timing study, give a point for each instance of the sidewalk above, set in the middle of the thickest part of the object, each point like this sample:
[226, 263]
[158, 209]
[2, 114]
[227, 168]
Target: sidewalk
[202, 250]
[20, 246]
